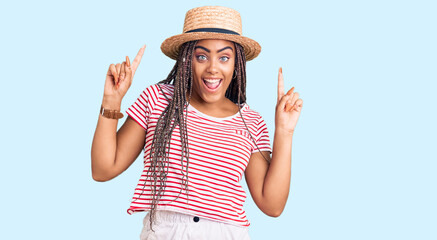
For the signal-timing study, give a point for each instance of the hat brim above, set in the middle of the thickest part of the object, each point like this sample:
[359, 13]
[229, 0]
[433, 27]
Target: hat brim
[171, 45]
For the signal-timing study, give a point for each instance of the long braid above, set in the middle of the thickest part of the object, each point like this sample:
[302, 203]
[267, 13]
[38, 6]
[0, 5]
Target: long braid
[173, 115]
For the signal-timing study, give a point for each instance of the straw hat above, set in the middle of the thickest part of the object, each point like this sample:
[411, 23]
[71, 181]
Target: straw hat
[211, 23]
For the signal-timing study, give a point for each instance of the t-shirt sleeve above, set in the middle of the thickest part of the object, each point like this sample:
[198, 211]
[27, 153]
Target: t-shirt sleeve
[262, 137]
[141, 109]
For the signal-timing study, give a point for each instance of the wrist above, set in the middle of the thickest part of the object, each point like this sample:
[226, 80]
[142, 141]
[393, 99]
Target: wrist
[111, 103]
[284, 132]
[110, 113]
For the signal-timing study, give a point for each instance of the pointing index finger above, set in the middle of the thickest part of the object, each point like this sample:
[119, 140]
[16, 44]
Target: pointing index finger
[137, 59]
[280, 84]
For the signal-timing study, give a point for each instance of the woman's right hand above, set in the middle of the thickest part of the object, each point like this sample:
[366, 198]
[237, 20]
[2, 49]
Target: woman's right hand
[118, 80]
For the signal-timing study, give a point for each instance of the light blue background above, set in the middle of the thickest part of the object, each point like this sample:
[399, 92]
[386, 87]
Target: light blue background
[364, 158]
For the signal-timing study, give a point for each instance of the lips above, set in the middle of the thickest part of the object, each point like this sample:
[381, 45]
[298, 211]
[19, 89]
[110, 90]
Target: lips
[212, 83]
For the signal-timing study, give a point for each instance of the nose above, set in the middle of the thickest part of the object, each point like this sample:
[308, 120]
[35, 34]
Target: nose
[212, 68]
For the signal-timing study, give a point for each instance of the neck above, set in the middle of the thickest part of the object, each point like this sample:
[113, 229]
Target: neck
[199, 103]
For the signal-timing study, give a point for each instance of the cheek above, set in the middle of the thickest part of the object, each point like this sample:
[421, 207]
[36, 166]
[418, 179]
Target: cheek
[197, 71]
[230, 70]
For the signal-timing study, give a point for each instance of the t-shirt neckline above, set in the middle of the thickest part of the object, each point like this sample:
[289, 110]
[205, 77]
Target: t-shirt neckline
[191, 108]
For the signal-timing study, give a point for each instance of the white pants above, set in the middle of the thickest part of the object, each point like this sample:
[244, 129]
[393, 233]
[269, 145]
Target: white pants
[173, 225]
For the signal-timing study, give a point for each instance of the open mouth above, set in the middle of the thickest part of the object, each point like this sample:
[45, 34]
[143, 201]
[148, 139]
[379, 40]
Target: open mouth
[212, 83]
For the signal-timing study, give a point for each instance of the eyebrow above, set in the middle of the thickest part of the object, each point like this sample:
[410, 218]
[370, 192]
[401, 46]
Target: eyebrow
[225, 49]
[207, 50]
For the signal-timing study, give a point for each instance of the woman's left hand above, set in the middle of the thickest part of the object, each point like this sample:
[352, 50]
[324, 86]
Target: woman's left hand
[288, 107]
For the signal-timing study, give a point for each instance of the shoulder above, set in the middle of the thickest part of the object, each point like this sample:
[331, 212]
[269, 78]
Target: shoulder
[158, 92]
[256, 124]
[251, 114]
[252, 119]
[160, 89]
[165, 89]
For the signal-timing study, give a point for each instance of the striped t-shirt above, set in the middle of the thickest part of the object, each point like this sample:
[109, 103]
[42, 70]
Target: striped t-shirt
[219, 151]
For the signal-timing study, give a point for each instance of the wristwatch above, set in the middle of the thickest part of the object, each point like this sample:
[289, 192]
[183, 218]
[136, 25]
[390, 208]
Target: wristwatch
[112, 114]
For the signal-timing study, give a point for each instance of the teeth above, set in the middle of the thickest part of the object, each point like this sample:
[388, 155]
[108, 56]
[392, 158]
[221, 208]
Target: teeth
[211, 80]
[212, 83]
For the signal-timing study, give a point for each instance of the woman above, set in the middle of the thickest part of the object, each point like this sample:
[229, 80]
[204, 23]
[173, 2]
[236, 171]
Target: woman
[198, 135]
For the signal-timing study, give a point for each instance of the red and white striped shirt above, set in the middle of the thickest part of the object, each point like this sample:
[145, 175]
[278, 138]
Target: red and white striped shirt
[219, 149]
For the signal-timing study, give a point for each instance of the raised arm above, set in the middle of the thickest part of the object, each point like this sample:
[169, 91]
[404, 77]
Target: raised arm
[269, 181]
[113, 152]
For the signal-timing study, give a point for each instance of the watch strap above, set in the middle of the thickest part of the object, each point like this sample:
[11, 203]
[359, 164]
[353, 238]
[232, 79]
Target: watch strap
[112, 114]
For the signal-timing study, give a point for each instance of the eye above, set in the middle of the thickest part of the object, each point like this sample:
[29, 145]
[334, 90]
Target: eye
[224, 59]
[201, 58]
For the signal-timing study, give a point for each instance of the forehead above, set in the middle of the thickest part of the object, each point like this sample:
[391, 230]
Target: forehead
[215, 44]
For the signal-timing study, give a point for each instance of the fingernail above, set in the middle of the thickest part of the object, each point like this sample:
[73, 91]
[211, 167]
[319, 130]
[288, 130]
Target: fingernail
[127, 61]
[290, 91]
[280, 69]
